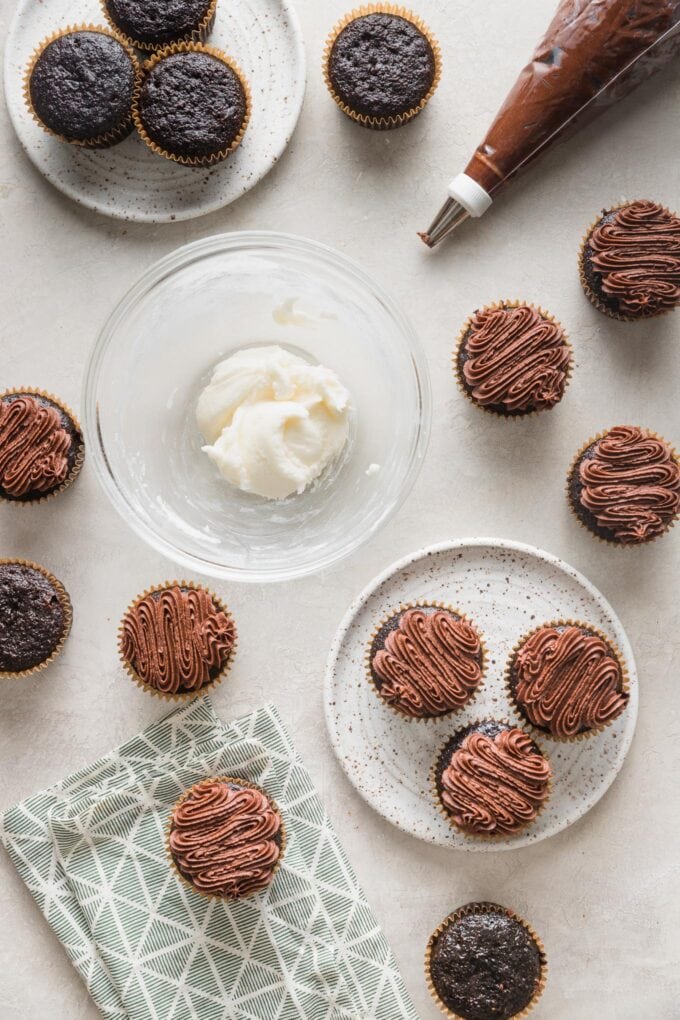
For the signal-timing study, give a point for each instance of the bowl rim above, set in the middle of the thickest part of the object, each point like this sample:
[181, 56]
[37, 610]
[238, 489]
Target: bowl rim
[156, 273]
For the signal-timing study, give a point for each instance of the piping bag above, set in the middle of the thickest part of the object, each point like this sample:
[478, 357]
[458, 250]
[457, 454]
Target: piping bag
[594, 53]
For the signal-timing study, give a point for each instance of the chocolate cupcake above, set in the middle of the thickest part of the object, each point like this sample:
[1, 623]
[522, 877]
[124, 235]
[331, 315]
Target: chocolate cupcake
[381, 66]
[567, 680]
[484, 963]
[177, 639]
[624, 485]
[513, 359]
[226, 838]
[491, 779]
[81, 85]
[152, 24]
[425, 660]
[41, 446]
[629, 261]
[35, 617]
[194, 105]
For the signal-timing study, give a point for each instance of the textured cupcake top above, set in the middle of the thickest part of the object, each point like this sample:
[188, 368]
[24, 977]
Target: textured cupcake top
[34, 446]
[485, 965]
[514, 360]
[381, 65]
[629, 481]
[192, 104]
[493, 779]
[567, 680]
[636, 249]
[226, 838]
[157, 21]
[32, 617]
[82, 85]
[177, 640]
[426, 661]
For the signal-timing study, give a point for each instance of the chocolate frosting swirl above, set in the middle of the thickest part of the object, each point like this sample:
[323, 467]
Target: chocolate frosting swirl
[637, 253]
[630, 483]
[494, 786]
[34, 447]
[226, 838]
[430, 664]
[568, 681]
[176, 639]
[515, 358]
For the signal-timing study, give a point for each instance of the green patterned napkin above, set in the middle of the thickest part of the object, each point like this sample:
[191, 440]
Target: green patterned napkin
[92, 852]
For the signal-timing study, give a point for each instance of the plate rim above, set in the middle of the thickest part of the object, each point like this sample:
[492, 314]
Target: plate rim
[452, 545]
[156, 218]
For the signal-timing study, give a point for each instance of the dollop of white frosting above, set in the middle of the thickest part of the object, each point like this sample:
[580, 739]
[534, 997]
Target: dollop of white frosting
[271, 421]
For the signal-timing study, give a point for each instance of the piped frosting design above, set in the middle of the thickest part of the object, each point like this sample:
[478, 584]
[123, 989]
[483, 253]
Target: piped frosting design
[226, 838]
[34, 447]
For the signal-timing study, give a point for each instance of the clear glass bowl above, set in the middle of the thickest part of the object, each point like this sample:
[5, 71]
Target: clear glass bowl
[156, 353]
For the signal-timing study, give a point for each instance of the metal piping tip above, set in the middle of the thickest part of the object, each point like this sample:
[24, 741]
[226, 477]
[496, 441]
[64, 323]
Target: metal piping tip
[447, 219]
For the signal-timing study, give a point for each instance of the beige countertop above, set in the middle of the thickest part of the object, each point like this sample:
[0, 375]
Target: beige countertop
[605, 894]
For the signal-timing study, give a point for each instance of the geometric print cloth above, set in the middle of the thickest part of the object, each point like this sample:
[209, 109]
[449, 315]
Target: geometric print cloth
[92, 852]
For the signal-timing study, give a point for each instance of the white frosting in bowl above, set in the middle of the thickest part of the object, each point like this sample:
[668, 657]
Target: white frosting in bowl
[271, 421]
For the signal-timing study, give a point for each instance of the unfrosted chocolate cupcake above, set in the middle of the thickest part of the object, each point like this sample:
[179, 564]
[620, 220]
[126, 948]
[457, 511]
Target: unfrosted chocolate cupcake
[567, 680]
[152, 24]
[630, 261]
[81, 86]
[624, 485]
[226, 838]
[194, 105]
[381, 66]
[491, 779]
[513, 359]
[177, 639]
[41, 446]
[485, 963]
[35, 617]
[426, 661]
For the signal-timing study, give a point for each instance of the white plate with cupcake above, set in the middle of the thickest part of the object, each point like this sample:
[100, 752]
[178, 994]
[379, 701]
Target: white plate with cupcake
[481, 694]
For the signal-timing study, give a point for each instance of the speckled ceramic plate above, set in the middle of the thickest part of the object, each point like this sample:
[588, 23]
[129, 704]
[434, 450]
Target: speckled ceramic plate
[506, 589]
[128, 181]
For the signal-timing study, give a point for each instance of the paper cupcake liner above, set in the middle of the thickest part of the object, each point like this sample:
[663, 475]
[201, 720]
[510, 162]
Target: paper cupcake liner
[66, 606]
[198, 34]
[180, 695]
[110, 138]
[482, 837]
[485, 908]
[536, 731]
[508, 415]
[80, 454]
[282, 832]
[195, 161]
[605, 538]
[424, 604]
[587, 289]
[382, 123]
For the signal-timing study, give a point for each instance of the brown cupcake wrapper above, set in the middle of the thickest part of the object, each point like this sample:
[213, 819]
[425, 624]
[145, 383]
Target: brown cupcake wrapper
[80, 455]
[248, 786]
[199, 34]
[193, 161]
[536, 731]
[99, 141]
[460, 382]
[485, 908]
[613, 542]
[66, 606]
[180, 695]
[420, 604]
[482, 837]
[382, 123]
[587, 289]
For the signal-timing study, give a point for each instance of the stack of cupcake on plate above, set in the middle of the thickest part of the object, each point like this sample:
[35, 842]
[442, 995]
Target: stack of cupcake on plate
[188, 101]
